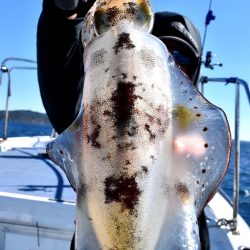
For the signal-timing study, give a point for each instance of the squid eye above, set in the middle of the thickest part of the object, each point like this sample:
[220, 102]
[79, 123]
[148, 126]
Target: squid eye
[101, 21]
[138, 12]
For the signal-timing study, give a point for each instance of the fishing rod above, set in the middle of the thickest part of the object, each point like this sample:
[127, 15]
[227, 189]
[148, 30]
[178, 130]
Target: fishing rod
[209, 55]
[210, 17]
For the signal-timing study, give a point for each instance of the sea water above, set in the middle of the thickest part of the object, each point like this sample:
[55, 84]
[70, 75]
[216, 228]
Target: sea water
[26, 129]
[227, 183]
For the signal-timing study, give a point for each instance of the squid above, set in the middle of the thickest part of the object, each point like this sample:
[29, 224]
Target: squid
[147, 151]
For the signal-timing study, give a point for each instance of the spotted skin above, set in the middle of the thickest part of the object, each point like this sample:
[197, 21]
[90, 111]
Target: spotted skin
[146, 151]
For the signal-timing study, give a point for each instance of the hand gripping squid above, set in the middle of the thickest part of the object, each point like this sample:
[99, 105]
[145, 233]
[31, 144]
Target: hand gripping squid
[146, 151]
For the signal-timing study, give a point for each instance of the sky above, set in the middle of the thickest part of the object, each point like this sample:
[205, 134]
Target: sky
[228, 37]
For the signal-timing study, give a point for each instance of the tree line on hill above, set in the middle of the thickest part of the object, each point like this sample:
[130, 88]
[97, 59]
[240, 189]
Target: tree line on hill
[25, 116]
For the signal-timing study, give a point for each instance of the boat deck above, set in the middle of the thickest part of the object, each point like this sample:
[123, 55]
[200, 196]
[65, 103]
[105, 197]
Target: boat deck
[26, 170]
[34, 191]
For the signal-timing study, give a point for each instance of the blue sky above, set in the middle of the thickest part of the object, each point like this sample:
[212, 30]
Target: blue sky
[228, 37]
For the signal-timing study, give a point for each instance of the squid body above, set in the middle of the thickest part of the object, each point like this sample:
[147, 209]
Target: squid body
[146, 151]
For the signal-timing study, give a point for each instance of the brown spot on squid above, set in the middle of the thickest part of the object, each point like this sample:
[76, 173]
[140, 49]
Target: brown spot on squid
[183, 192]
[122, 189]
[123, 42]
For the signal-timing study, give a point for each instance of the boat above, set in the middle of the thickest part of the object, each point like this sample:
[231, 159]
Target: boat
[37, 203]
[45, 219]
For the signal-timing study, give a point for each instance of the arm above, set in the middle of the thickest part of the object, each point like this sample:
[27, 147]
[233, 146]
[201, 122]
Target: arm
[60, 61]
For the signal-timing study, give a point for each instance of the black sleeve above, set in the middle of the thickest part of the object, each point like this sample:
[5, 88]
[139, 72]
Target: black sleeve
[60, 66]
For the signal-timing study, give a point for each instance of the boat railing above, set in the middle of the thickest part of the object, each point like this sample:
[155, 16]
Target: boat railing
[236, 186]
[5, 69]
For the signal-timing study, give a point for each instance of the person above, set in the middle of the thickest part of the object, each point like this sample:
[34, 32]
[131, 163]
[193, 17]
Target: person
[60, 54]
[60, 60]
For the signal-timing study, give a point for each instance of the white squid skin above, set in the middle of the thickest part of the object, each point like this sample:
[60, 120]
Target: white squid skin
[146, 151]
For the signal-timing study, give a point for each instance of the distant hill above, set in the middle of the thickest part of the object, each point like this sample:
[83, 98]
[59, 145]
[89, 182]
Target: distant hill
[25, 116]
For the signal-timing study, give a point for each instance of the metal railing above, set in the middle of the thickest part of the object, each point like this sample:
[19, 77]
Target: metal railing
[237, 82]
[8, 70]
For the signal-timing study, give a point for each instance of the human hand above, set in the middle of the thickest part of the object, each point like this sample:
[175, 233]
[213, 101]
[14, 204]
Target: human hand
[74, 8]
